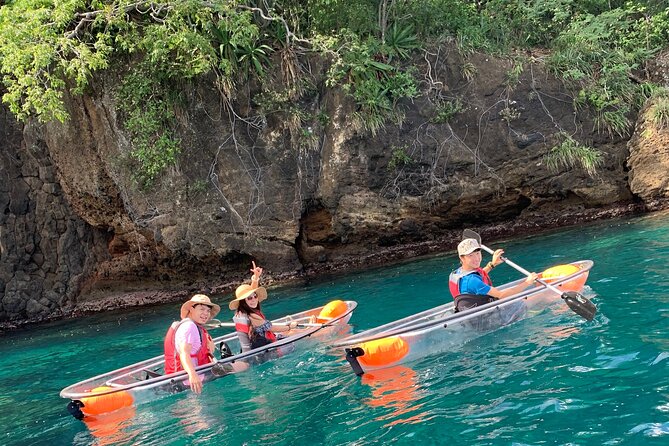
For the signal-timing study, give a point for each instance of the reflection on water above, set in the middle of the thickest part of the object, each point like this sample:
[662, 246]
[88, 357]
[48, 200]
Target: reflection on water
[191, 415]
[113, 428]
[395, 388]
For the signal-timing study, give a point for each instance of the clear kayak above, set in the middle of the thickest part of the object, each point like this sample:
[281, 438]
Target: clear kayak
[145, 381]
[441, 329]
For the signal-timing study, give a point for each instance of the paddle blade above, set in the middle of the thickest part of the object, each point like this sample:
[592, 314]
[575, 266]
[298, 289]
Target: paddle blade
[468, 233]
[580, 305]
[212, 323]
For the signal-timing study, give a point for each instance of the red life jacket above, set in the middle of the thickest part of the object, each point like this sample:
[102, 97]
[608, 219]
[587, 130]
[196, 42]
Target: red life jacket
[172, 360]
[243, 325]
[454, 279]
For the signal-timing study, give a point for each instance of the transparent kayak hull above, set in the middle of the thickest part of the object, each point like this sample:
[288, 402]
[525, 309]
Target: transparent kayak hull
[145, 381]
[440, 329]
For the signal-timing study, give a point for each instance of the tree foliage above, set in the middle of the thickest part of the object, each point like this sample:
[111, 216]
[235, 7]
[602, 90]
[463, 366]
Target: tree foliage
[48, 47]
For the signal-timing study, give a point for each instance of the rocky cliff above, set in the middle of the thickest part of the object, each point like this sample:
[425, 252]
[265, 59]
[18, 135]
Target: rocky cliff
[297, 196]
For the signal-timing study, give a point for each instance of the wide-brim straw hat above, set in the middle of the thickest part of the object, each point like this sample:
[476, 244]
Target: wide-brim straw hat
[244, 291]
[200, 299]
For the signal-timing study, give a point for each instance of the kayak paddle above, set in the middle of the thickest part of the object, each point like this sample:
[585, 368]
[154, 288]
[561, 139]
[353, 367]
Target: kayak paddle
[578, 303]
[215, 323]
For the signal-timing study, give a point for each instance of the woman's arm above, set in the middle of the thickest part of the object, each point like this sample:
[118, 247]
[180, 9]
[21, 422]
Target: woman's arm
[257, 321]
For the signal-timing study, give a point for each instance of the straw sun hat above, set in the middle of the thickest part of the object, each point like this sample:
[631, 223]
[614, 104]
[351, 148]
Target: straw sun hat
[244, 291]
[199, 299]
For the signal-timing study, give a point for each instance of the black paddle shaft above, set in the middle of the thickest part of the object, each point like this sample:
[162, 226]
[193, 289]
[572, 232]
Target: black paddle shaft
[578, 303]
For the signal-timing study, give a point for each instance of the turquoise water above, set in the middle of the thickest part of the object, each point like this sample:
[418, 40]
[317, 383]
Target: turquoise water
[550, 379]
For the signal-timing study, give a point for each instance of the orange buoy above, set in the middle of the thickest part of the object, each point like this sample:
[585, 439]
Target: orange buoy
[556, 273]
[381, 352]
[331, 311]
[96, 405]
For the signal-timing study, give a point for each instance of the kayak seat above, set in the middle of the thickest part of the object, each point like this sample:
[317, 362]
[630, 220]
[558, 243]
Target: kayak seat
[224, 350]
[467, 301]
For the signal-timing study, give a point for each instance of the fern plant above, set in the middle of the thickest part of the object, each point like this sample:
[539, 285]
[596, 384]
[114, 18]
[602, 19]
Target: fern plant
[399, 41]
[569, 154]
[447, 110]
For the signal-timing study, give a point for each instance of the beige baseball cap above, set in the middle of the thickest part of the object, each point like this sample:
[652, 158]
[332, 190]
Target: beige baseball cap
[468, 246]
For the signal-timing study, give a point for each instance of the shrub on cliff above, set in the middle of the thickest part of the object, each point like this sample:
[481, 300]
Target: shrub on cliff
[48, 46]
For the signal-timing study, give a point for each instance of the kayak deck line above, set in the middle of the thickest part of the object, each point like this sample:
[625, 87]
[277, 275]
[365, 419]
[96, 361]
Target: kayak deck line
[144, 380]
[435, 329]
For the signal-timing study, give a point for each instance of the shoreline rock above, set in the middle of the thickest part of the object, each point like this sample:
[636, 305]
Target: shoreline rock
[385, 256]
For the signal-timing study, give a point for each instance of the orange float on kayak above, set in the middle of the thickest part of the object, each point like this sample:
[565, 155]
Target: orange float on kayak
[555, 273]
[96, 405]
[383, 352]
[331, 311]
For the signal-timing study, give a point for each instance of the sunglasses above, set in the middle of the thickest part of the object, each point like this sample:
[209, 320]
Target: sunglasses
[252, 296]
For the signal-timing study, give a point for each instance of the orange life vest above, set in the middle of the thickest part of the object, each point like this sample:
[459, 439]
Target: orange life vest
[172, 360]
[243, 325]
[454, 279]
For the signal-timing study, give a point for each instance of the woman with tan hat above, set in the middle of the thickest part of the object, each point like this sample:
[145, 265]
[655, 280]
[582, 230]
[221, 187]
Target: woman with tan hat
[253, 329]
[187, 343]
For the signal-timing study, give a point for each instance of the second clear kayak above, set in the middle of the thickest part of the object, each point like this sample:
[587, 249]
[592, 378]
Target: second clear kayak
[441, 328]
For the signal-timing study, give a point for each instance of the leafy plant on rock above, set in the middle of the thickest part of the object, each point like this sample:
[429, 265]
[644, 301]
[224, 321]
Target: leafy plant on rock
[400, 41]
[569, 154]
[447, 110]
[375, 86]
[399, 158]
[659, 110]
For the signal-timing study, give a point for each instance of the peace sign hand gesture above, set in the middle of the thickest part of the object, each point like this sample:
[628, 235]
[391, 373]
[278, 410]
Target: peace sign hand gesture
[257, 272]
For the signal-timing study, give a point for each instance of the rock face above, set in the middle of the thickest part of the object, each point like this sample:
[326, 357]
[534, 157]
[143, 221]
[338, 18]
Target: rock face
[47, 253]
[649, 157]
[293, 194]
[649, 146]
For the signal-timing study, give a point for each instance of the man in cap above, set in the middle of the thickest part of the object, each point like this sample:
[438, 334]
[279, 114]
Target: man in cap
[470, 284]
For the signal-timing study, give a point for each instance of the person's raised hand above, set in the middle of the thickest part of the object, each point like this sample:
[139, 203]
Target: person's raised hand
[256, 270]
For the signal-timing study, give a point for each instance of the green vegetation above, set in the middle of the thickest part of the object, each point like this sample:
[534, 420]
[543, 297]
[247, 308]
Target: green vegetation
[569, 154]
[659, 109]
[48, 47]
[447, 110]
[399, 158]
[600, 54]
